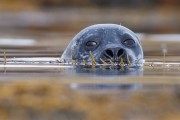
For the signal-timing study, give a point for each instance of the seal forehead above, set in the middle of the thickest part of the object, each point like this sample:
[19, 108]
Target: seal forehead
[103, 29]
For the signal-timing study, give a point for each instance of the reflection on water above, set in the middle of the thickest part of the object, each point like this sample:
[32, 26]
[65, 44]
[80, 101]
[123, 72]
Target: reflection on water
[103, 71]
[105, 87]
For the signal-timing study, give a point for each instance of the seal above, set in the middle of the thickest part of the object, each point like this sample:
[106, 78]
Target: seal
[105, 44]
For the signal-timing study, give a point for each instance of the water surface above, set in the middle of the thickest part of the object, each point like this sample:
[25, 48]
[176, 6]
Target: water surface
[31, 73]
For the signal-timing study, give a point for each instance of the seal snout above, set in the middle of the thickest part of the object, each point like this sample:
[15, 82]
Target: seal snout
[113, 54]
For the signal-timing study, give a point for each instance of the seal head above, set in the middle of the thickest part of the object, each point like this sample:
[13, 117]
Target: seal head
[104, 43]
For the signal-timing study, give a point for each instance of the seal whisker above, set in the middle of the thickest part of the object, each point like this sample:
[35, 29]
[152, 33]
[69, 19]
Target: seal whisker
[112, 62]
[122, 64]
[129, 62]
[4, 56]
[73, 62]
[121, 61]
[85, 63]
[92, 58]
[103, 61]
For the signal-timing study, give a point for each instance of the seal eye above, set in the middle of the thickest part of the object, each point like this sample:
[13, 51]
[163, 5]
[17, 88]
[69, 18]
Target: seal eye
[129, 42]
[91, 43]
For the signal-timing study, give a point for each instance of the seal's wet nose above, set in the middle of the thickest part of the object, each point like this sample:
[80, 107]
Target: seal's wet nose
[113, 53]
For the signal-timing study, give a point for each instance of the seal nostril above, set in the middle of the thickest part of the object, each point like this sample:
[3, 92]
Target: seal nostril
[120, 52]
[110, 53]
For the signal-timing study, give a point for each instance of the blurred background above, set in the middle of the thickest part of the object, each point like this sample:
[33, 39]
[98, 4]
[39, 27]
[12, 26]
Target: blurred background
[39, 30]
[54, 22]
[154, 16]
